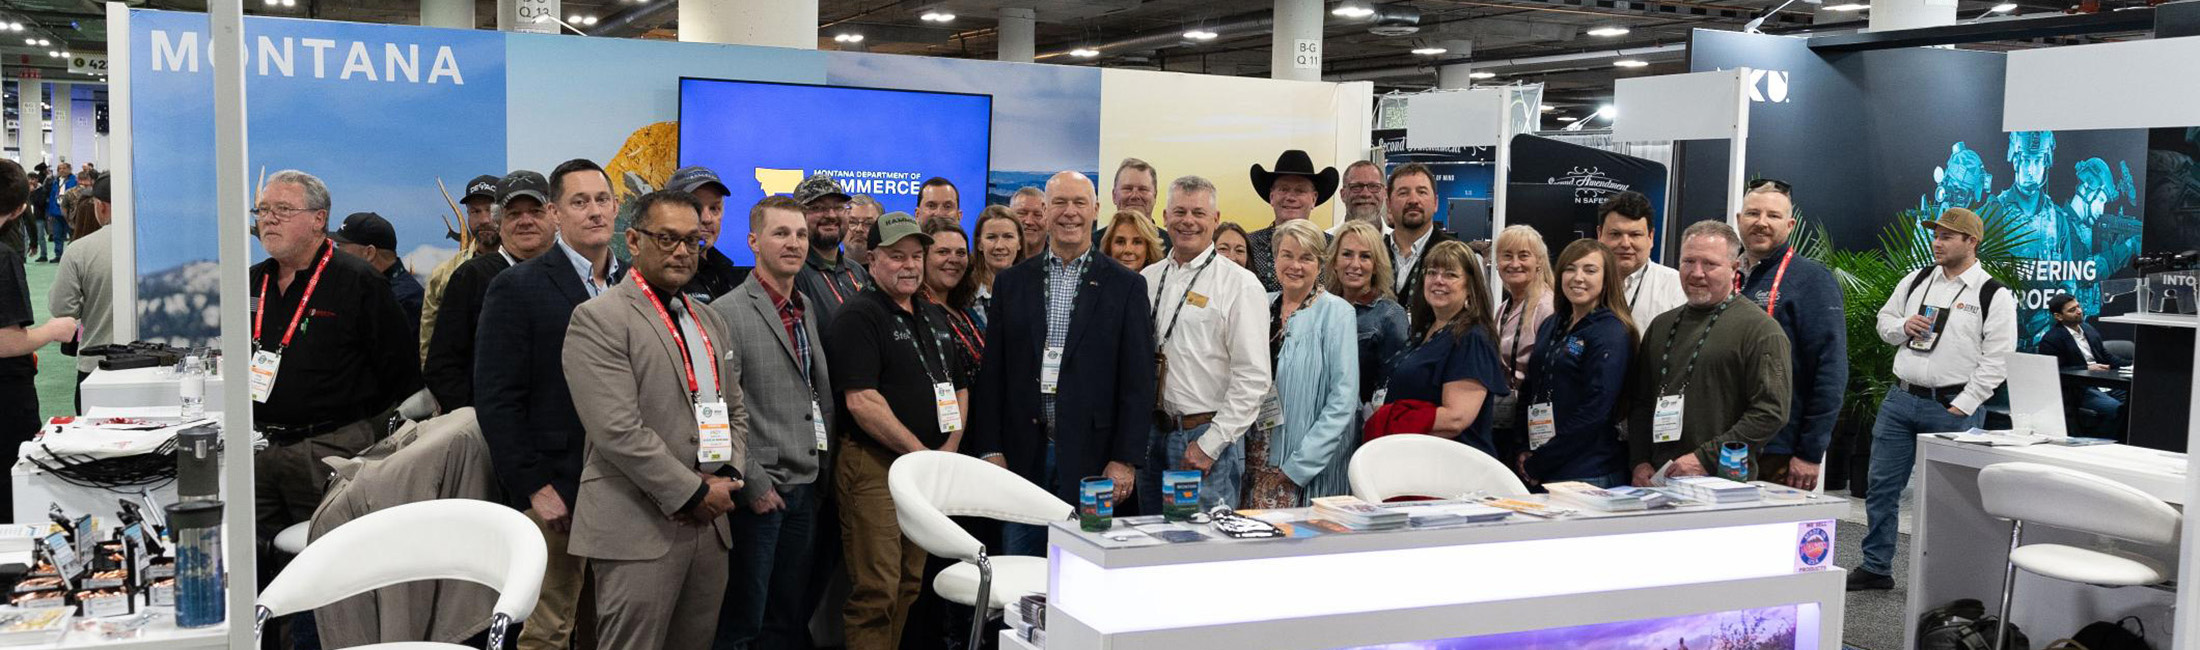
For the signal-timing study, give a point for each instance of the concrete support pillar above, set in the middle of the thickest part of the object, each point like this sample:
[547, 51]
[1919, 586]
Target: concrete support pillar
[774, 23]
[524, 16]
[1910, 14]
[1455, 75]
[1295, 51]
[455, 14]
[1018, 34]
[64, 137]
[31, 122]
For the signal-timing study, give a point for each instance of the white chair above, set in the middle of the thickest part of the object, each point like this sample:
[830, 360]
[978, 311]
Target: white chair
[293, 539]
[2081, 502]
[1412, 464]
[445, 539]
[930, 486]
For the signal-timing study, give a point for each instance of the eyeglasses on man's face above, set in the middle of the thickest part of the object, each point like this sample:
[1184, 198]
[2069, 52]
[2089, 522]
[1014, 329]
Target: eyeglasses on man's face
[669, 242]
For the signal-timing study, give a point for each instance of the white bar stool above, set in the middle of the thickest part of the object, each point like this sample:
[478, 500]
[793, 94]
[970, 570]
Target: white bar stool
[2077, 501]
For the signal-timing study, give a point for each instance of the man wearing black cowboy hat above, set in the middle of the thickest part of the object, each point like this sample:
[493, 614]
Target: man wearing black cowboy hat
[1293, 190]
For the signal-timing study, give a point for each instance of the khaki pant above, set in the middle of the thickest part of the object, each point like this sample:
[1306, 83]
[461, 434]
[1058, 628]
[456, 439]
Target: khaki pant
[668, 603]
[558, 609]
[885, 569]
[288, 481]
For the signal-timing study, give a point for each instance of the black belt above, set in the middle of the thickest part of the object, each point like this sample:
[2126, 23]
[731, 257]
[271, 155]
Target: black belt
[1944, 394]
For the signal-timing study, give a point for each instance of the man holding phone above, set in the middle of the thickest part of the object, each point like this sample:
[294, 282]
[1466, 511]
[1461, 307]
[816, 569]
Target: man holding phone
[1954, 328]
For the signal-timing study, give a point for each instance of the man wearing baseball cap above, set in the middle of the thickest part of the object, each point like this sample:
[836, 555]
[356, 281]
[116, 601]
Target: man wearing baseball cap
[481, 223]
[715, 275]
[905, 393]
[525, 230]
[827, 279]
[1953, 328]
[369, 237]
[84, 287]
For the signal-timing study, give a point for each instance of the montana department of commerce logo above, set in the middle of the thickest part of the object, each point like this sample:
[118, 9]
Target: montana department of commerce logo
[778, 181]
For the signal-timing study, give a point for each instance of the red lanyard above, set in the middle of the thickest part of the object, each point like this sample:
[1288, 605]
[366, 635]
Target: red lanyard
[260, 309]
[1777, 278]
[958, 330]
[686, 364]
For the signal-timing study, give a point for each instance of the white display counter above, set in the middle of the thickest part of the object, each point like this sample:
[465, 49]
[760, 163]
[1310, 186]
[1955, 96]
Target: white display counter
[141, 392]
[1522, 574]
[1958, 551]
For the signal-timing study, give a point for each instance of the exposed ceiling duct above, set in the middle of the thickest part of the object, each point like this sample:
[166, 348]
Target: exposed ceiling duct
[1372, 74]
[1259, 22]
[636, 20]
[1394, 20]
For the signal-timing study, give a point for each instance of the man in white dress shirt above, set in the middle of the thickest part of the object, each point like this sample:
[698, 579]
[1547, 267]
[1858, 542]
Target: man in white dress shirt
[1211, 325]
[1953, 329]
[1626, 225]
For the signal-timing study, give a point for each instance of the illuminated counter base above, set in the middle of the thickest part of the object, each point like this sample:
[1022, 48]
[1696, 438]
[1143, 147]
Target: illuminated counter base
[1343, 591]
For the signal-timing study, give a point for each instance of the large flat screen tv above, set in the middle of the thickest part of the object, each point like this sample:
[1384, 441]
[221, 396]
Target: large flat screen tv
[763, 138]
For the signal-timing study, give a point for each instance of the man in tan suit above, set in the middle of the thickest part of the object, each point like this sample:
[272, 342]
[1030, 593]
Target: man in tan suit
[667, 433]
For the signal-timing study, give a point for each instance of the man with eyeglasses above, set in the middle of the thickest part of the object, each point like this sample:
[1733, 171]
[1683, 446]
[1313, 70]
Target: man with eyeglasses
[526, 231]
[827, 278]
[1802, 295]
[332, 353]
[863, 213]
[1363, 197]
[521, 398]
[667, 431]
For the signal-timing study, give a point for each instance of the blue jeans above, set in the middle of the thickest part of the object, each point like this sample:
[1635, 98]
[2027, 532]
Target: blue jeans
[769, 575]
[1894, 453]
[1026, 539]
[1165, 451]
[2107, 408]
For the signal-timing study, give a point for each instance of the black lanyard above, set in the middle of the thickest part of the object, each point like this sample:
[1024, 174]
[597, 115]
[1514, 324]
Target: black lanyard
[1186, 297]
[916, 312]
[1519, 328]
[1083, 264]
[1665, 360]
[1635, 297]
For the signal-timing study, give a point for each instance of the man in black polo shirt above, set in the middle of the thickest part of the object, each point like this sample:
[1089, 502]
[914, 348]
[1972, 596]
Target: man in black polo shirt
[332, 353]
[18, 339]
[904, 394]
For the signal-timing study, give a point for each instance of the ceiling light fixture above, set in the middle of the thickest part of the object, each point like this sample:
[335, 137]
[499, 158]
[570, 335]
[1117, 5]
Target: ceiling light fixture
[1547, 108]
[1429, 51]
[290, 3]
[30, 41]
[588, 20]
[1354, 9]
[1478, 74]
[1201, 35]
[1607, 112]
[1084, 53]
[1609, 32]
[847, 38]
[2005, 7]
[937, 17]
[1849, 7]
[1631, 63]
[15, 26]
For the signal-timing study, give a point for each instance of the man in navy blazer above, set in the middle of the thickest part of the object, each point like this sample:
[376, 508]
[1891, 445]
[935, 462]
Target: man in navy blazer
[2075, 344]
[1067, 387]
[525, 409]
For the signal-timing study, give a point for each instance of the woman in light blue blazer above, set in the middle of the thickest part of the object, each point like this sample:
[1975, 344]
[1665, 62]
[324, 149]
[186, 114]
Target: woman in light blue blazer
[1303, 437]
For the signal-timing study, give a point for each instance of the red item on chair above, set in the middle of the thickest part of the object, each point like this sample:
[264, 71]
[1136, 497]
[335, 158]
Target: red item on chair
[1402, 416]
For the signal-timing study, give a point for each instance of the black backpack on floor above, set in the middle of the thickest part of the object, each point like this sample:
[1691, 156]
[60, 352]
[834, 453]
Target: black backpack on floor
[1963, 625]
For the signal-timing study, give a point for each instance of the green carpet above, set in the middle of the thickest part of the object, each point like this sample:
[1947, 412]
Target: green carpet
[56, 371]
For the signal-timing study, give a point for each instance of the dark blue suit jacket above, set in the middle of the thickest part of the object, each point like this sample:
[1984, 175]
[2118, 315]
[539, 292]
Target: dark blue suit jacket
[2057, 342]
[1105, 397]
[520, 397]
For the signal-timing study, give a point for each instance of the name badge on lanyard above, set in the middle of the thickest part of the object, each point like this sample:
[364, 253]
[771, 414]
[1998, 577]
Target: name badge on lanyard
[1271, 410]
[1050, 370]
[949, 409]
[714, 432]
[1542, 427]
[817, 423]
[264, 365]
[1665, 422]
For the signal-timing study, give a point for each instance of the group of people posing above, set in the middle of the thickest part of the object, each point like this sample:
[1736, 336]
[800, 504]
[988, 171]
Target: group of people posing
[706, 446]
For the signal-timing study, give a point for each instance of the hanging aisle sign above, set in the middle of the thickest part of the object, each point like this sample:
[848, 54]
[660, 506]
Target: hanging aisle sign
[91, 64]
[536, 16]
[1306, 54]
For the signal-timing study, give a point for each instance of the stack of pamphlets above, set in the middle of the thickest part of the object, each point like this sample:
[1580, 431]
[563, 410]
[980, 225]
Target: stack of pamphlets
[1437, 514]
[1712, 489]
[1028, 617]
[1350, 512]
[1595, 498]
[20, 538]
[1651, 499]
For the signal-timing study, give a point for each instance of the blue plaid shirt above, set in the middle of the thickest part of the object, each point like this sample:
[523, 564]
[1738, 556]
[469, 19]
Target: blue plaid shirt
[1061, 294]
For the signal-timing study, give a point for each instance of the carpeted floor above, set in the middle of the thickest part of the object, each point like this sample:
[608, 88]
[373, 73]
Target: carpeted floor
[56, 371]
[1874, 618]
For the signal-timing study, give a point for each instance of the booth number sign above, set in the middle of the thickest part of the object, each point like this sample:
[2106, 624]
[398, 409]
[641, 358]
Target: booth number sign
[88, 64]
[527, 12]
[1307, 54]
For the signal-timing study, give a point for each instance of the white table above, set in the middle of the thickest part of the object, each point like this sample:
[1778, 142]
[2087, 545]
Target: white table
[162, 635]
[1518, 575]
[128, 393]
[1958, 551]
